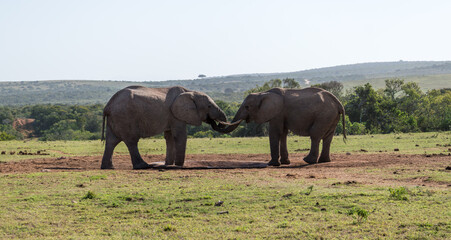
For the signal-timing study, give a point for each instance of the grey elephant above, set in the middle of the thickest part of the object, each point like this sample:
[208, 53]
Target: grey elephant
[137, 112]
[310, 112]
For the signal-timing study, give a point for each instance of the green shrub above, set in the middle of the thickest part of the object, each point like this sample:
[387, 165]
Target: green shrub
[89, 195]
[359, 213]
[398, 193]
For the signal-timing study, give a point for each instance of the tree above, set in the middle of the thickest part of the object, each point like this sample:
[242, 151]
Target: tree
[273, 83]
[393, 86]
[364, 107]
[336, 88]
[290, 83]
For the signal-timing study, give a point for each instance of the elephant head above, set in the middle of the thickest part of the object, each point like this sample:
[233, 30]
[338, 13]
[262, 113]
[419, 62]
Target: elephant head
[256, 107]
[196, 107]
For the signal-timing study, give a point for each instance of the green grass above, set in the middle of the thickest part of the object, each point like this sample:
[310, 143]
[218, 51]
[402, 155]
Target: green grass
[180, 204]
[257, 204]
[428, 143]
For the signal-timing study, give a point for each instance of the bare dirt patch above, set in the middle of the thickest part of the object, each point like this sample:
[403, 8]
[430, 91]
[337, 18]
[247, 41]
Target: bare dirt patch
[24, 126]
[380, 169]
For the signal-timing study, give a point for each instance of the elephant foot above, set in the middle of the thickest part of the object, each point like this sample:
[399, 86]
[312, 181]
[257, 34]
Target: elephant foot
[310, 159]
[274, 163]
[106, 167]
[179, 164]
[285, 161]
[173, 167]
[142, 165]
[323, 159]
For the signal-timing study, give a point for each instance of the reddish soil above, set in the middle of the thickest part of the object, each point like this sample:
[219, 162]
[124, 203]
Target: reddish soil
[24, 126]
[380, 169]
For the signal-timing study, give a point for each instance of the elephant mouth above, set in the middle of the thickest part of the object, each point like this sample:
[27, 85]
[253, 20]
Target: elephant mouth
[213, 123]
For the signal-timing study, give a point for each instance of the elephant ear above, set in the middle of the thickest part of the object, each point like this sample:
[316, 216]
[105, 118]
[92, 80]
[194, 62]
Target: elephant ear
[184, 108]
[271, 105]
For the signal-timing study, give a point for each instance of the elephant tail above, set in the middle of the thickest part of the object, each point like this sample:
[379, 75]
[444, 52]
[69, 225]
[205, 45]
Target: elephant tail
[342, 110]
[103, 128]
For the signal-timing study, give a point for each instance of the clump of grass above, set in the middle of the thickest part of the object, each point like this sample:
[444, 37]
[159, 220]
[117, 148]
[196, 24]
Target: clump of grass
[240, 229]
[283, 224]
[168, 228]
[398, 193]
[97, 177]
[89, 195]
[309, 190]
[360, 214]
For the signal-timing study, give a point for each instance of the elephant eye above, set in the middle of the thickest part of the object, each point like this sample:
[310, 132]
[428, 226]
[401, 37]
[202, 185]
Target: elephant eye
[247, 107]
[209, 106]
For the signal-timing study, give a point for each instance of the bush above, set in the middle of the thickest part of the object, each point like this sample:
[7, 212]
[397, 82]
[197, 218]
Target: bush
[5, 136]
[398, 193]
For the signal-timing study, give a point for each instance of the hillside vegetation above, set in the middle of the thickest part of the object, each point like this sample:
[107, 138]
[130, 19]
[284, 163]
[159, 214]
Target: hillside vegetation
[428, 75]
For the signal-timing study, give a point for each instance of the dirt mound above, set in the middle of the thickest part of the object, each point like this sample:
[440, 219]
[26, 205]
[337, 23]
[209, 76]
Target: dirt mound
[24, 126]
[382, 169]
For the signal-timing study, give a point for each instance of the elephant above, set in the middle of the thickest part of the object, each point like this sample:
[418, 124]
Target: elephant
[138, 112]
[311, 111]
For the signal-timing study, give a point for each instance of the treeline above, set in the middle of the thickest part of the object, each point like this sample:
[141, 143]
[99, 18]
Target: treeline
[399, 107]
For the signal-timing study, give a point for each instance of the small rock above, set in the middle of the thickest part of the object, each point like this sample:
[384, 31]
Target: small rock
[323, 209]
[363, 150]
[219, 203]
[223, 212]
[396, 149]
[416, 145]
[73, 201]
[45, 170]
[348, 153]
[448, 168]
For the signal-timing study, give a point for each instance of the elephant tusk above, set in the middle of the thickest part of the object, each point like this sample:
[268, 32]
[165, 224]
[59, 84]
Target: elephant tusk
[229, 124]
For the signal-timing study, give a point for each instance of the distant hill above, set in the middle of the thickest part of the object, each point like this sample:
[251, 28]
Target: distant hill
[429, 74]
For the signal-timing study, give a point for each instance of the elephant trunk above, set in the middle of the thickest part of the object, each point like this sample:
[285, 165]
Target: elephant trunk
[217, 115]
[229, 127]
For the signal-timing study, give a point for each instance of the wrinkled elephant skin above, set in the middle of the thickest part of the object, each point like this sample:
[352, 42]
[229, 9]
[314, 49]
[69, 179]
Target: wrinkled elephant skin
[310, 112]
[138, 112]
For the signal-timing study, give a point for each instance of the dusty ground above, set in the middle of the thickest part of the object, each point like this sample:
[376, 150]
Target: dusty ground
[380, 169]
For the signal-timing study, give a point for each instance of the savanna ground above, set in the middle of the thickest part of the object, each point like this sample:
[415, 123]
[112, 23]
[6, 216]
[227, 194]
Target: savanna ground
[394, 186]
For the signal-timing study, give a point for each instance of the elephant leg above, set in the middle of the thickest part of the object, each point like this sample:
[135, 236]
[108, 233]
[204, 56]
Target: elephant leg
[283, 148]
[137, 161]
[170, 148]
[274, 140]
[111, 141]
[325, 152]
[312, 157]
[179, 134]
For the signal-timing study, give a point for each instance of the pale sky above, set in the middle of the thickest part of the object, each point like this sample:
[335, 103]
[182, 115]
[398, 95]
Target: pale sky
[171, 39]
